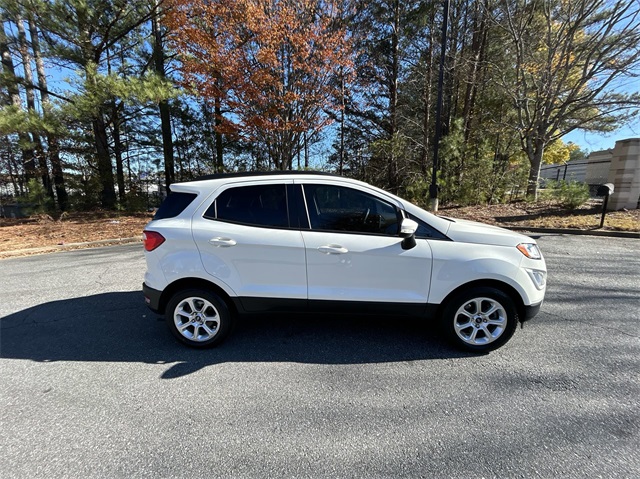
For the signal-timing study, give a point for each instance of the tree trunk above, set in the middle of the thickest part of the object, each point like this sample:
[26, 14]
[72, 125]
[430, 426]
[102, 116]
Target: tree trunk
[179, 154]
[477, 47]
[450, 69]
[342, 100]
[392, 172]
[52, 141]
[117, 149]
[461, 40]
[535, 160]
[90, 61]
[105, 167]
[31, 106]
[217, 112]
[14, 93]
[209, 132]
[165, 113]
[16, 181]
[426, 98]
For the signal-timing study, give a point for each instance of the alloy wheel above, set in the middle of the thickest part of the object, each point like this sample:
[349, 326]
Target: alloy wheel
[480, 321]
[196, 319]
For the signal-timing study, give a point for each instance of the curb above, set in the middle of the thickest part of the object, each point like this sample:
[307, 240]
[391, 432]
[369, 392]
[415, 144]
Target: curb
[569, 231]
[69, 246]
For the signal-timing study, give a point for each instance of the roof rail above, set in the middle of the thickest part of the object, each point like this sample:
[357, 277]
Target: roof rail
[218, 176]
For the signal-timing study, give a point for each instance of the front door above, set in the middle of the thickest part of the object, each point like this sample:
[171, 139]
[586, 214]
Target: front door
[354, 252]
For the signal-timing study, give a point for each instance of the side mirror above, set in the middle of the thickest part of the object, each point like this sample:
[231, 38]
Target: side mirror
[408, 230]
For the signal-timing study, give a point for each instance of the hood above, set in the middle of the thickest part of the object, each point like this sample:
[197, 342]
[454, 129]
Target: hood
[466, 231]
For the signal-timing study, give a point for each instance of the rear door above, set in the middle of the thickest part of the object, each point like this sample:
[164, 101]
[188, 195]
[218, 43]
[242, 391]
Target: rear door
[246, 241]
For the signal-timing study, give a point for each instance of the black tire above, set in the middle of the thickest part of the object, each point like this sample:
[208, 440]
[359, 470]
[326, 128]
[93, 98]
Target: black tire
[198, 318]
[468, 327]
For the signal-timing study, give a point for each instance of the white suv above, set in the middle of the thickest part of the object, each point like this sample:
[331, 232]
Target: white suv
[259, 242]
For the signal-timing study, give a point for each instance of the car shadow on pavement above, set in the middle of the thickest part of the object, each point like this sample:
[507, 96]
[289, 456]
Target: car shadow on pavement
[118, 327]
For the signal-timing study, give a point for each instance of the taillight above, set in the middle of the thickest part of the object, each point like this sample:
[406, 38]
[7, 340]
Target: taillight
[152, 240]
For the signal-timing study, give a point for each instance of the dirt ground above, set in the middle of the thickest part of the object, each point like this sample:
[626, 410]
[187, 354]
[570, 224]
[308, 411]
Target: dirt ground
[548, 215]
[44, 231]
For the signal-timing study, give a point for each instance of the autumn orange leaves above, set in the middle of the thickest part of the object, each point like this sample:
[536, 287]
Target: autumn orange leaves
[272, 68]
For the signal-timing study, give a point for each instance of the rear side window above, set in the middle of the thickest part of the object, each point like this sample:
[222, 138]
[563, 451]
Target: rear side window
[258, 205]
[174, 204]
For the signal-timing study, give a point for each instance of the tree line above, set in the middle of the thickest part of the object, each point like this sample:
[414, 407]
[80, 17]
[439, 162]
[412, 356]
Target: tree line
[101, 98]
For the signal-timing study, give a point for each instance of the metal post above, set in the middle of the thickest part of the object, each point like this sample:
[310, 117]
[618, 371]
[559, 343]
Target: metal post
[433, 189]
[604, 209]
[605, 190]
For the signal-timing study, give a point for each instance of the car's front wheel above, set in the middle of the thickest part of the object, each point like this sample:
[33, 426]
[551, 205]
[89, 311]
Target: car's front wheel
[480, 320]
[198, 318]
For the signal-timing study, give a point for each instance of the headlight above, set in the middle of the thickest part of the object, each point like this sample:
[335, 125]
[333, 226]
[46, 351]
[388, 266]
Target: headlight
[539, 278]
[530, 250]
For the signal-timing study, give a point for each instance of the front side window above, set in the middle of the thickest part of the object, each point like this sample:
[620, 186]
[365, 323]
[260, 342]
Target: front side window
[337, 208]
[259, 205]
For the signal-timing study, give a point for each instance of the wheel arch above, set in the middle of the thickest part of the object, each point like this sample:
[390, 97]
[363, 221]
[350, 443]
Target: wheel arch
[194, 283]
[487, 283]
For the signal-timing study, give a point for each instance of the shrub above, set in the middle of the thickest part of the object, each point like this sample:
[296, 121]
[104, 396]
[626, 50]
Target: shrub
[418, 192]
[570, 194]
[36, 200]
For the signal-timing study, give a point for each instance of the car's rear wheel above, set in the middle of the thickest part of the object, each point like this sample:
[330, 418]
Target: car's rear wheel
[198, 318]
[481, 319]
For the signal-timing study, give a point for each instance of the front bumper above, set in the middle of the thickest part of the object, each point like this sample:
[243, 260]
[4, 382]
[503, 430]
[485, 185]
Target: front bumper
[152, 298]
[531, 311]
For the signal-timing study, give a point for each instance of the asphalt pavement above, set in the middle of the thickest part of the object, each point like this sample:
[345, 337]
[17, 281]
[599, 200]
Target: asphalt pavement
[92, 385]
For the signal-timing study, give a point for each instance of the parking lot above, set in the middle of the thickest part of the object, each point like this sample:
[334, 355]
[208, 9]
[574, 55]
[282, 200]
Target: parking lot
[92, 385]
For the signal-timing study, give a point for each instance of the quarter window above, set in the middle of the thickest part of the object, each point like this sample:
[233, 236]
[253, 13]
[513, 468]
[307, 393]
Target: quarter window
[336, 208]
[424, 230]
[259, 205]
[174, 204]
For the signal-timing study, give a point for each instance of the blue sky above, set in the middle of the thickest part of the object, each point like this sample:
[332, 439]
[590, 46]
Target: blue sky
[602, 141]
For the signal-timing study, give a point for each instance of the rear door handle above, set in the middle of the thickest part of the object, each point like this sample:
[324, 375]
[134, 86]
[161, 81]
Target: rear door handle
[222, 242]
[333, 249]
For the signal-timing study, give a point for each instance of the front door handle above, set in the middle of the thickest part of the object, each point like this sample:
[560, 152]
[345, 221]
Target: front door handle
[222, 242]
[333, 249]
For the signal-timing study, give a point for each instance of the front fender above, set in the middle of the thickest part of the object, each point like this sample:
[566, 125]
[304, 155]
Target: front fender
[497, 263]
